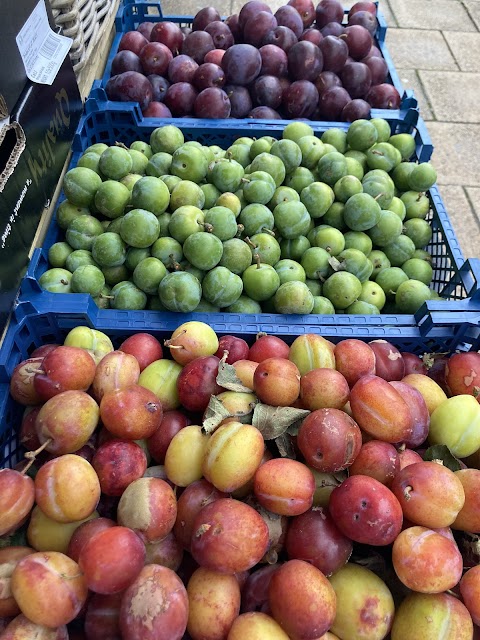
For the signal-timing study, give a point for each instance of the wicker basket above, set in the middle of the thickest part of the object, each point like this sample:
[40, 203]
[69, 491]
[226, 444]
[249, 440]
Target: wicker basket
[81, 20]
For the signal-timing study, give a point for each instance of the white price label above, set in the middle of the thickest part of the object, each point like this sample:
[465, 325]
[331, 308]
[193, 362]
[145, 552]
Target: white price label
[42, 50]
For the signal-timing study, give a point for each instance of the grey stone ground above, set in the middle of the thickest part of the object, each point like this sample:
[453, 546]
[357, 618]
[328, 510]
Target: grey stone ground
[435, 47]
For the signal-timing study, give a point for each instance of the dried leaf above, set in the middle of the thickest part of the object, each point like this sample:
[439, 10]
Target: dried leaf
[285, 447]
[214, 414]
[442, 452]
[274, 421]
[336, 264]
[227, 377]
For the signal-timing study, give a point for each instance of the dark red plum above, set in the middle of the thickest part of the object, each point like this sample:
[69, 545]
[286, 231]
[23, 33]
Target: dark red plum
[197, 382]
[264, 113]
[208, 75]
[305, 61]
[204, 17]
[221, 34]
[215, 56]
[335, 53]
[274, 61]
[355, 110]
[155, 58]
[132, 41]
[332, 29]
[160, 86]
[306, 9]
[257, 27]
[312, 35]
[267, 91]
[197, 44]
[378, 69]
[249, 10]
[169, 34]
[234, 26]
[283, 37]
[328, 11]
[362, 6]
[212, 103]
[364, 19]
[356, 79]
[237, 348]
[288, 16]
[374, 52]
[240, 100]
[182, 69]
[332, 102]
[300, 99]
[180, 98]
[327, 80]
[242, 63]
[126, 60]
[130, 86]
[383, 96]
[145, 28]
[157, 110]
[359, 41]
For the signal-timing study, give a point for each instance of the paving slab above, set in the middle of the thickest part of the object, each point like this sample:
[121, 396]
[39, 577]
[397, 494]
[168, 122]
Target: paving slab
[473, 8]
[424, 14]
[456, 155]
[473, 194]
[464, 221]
[419, 49]
[410, 80]
[465, 48]
[453, 96]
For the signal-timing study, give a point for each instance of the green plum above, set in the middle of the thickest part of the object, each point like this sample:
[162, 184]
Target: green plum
[266, 247]
[411, 295]
[387, 228]
[361, 212]
[80, 185]
[271, 164]
[299, 178]
[126, 295]
[346, 187]
[422, 177]
[379, 261]
[312, 149]
[67, 211]
[82, 231]
[354, 168]
[390, 279]
[360, 307]
[148, 274]
[186, 193]
[417, 269]
[134, 256]
[293, 297]
[90, 160]
[260, 281]
[261, 145]
[315, 286]
[143, 147]
[56, 280]
[383, 155]
[152, 194]
[358, 240]
[258, 186]
[356, 262]
[185, 221]
[109, 250]
[291, 219]
[231, 201]
[294, 248]
[168, 139]
[361, 135]
[58, 254]
[115, 162]
[211, 194]
[372, 293]
[383, 129]
[334, 216]
[400, 250]
[244, 304]
[203, 250]
[114, 275]
[331, 167]
[405, 143]
[342, 289]
[139, 162]
[77, 258]
[359, 156]
[170, 181]
[322, 306]
[315, 262]
[222, 221]
[289, 270]
[419, 231]
[256, 218]
[111, 199]
[168, 250]
[283, 194]
[240, 153]
[189, 163]
[317, 197]
[87, 279]
[289, 153]
[180, 291]
[296, 130]
[221, 287]
[206, 307]
[98, 148]
[400, 175]
[140, 228]
[337, 138]
[227, 175]
[236, 256]
[330, 239]
[398, 207]
[417, 205]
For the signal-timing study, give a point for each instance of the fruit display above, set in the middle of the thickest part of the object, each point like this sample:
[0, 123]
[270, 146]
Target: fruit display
[198, 485]
[301, 61]
[303, 223]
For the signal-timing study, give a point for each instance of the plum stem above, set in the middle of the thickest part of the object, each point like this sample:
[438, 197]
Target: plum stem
[407, 491]
[250, 243]
[257, 260]
[379, 195]
[240, 228]
[169, 343]
[203, 528]
[270, 232]
[31, 455]
[121, 144]
[62, 281]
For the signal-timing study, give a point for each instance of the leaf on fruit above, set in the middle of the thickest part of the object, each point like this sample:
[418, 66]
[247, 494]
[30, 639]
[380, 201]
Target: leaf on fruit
[214, 414]
[442, 452]
[227, 378]
[285, 446]
[16, 539]
[336, 264]
[274, 421]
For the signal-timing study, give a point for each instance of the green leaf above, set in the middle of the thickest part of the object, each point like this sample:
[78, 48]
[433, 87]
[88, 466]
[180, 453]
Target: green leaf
[227, 377]
[443, 453]
[272, 422]
[214, 414]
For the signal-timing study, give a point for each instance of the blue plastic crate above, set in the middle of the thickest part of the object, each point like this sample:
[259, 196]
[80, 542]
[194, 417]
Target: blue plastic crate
[109, 122]
[35, 323]
[132, 14]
